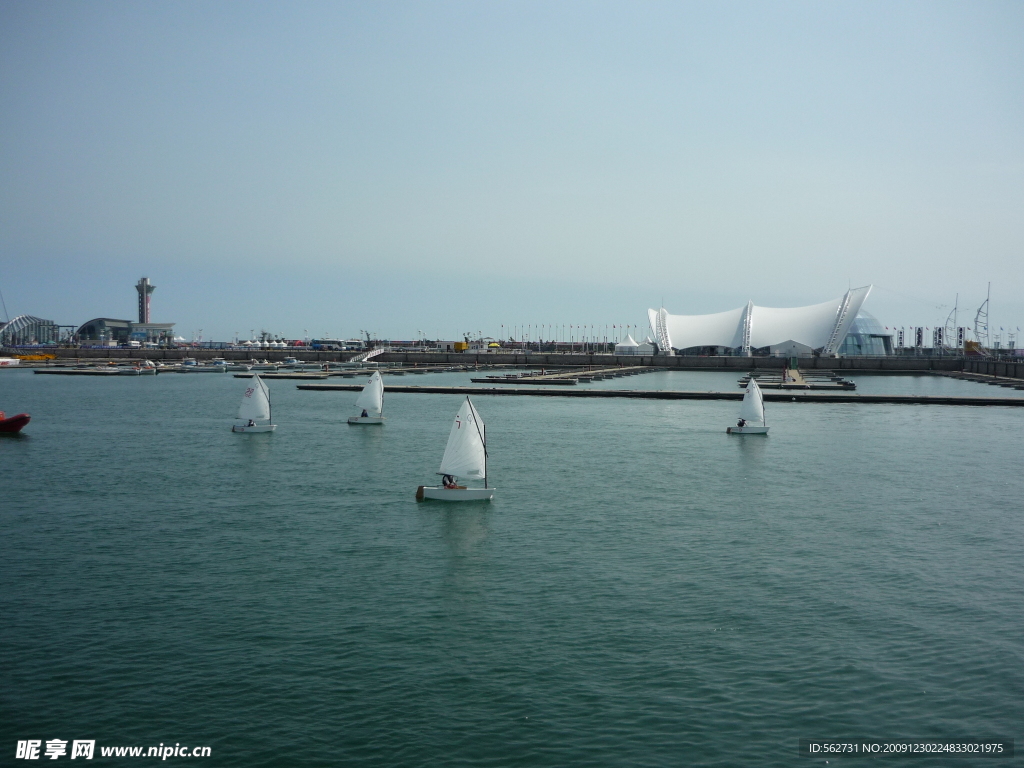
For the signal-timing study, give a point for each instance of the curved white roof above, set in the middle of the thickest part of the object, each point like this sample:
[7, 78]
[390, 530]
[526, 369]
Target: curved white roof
[819, 326]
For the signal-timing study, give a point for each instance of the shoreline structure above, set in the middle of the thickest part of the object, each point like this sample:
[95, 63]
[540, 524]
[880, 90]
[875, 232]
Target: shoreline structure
[896, 364]
[1001, 373]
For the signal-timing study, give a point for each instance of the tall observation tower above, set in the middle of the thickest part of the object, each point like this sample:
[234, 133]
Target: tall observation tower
[145, 290]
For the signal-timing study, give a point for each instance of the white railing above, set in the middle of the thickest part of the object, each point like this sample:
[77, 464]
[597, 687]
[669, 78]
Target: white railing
[664, 341]
[836, 339]
[362, 357]
[748, 318]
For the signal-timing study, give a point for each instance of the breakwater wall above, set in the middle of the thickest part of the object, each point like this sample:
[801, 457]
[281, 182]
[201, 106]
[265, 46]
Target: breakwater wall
[1006, 368]
[641, 394]
[679, 362]
[176, 355]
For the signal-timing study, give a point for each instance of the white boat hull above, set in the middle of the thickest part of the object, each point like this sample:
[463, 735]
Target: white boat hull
[257, 428]
[747, 430]
[365, 419]
[440, 493]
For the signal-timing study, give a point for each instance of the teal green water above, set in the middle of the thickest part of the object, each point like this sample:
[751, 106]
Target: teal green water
[644, 590]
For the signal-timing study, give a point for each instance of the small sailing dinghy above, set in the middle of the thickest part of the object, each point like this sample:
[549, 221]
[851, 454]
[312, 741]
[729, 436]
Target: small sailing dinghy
[371, 400]
[254, 411]
[751, 412]
[465, 456]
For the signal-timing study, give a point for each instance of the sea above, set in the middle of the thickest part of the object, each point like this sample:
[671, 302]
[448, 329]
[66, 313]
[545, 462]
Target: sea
[644, 589]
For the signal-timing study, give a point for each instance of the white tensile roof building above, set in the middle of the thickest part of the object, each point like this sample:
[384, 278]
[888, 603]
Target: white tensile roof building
[795, 330]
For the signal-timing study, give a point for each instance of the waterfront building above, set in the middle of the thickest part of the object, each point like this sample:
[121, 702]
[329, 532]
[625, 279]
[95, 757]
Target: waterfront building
[111, 331]
[27, 329]
[104, 330]
[818, 328]
[108, 330]
[866, 337]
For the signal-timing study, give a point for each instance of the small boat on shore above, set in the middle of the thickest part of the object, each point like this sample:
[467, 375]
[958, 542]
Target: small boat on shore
[13, 425]
[464, 456]
[751, 421]
[371, 401]
[254, 411]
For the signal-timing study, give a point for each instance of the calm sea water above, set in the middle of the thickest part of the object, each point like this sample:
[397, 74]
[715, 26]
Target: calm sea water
[644, 590]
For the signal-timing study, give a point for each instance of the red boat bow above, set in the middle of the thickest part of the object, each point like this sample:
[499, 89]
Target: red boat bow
[15, 423]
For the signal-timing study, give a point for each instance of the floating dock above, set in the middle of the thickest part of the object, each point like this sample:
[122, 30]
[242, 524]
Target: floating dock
[563, 377]
[669, 394]
[797, 379]
[98, 371]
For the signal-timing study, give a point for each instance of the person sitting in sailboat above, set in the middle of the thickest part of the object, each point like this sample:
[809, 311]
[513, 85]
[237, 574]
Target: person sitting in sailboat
[449, 482]
[364, 414]
[251, 423]
[741, 423]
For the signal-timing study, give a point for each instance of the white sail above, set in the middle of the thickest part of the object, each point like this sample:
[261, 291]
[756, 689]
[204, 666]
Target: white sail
[465, 454]
[255, 402]
[371, 399]
[752, 409]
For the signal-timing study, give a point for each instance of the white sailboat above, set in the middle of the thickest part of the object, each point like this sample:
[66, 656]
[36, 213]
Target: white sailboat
[465, 456]
[371, 400]
[751, 421]
[254, 410]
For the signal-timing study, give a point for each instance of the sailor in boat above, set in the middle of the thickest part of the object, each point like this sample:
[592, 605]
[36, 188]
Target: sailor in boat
[364, 414]
[251, 423]
[741, 423]
[449, 482]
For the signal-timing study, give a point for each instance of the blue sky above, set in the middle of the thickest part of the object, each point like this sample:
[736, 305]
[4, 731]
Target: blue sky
[445, 167]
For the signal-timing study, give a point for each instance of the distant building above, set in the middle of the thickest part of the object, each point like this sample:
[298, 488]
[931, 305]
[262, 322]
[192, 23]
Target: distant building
[106, 330]
[866, 337]
[820, 328]
[26, 329]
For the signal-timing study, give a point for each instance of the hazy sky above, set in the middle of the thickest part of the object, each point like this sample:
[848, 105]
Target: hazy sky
[445, 167]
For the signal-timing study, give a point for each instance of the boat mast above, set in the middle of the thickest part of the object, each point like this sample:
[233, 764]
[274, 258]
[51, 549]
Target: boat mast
[270, 406]
[485, 456]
